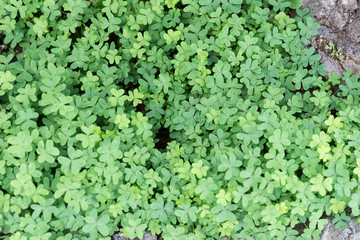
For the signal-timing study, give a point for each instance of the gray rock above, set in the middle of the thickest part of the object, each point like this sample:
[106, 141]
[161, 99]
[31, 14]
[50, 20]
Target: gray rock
[332, 65]
[350, 64]
[119, 236]
[356, 236]
[353, 30]
[331, 13]
[351, 233]
[147, 236]
[340, 25]
[354, 227]
[350, 49]
[339, 19]
[349, 5]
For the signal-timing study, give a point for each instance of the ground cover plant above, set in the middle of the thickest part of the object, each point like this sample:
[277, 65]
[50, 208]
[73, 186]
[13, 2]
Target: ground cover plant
[190, 119]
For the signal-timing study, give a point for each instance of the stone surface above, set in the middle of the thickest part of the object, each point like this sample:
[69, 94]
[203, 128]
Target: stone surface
[349, 5]
[350, 64]
[340, 25]
[350, 233]
[353, 30]
[119, 236]
[147, 236]
[331, 65]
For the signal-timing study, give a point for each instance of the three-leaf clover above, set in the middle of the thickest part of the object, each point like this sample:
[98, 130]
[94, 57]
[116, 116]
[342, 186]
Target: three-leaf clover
[230, 165]
[172, 233]
[95, 224]
[75, 160]
[6, 81]
[279, 139]
[161, 209]
[199, 170]
[47, 151]
[321, 185]
[87, 138]
[186, 213]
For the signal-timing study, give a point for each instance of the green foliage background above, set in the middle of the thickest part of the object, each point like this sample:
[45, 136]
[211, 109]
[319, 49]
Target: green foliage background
[259, 141]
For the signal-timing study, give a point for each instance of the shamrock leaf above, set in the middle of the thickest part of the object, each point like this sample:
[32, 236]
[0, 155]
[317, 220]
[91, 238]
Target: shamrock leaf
[6, 81]
[333, 123]
[186, 213]
[21, 144]
[94, 224]
[172, 36]
[88, 139]
[231, 165]
[340, 221]
[46, 209]
[354, 204]
[199, 170]
[223, 197]
[337, 206]
[74, 161]
[47, 152]
[321, 139]
[26, 95]
[172, 233]
[122, 121]
[161, 210]
[135, 97]
[24, 118]
[321, 185]
[279, 139]
[206, 188]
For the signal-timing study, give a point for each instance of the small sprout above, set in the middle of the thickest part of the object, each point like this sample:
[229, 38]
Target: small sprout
[334, 53]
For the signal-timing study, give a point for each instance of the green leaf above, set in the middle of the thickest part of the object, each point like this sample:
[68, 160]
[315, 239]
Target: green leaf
[229, 164]
[321, 185]
[74, 161]
[47, 152]
[6, 82]
[161, 210]
[172, 233]
[354, 204]
[95, 224]
[186, 213]
[20, 144]
[279, 139]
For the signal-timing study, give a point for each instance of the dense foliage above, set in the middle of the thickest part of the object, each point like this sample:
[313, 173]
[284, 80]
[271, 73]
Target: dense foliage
[192, 119]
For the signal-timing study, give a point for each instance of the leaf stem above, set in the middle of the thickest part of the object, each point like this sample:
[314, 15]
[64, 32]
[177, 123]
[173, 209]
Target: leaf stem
[350, 165]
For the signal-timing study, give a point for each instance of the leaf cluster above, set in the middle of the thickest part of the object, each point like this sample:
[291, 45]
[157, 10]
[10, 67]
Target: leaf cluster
[258, 140]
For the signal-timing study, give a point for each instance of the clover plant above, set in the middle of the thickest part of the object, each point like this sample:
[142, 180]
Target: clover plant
[189, 119]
